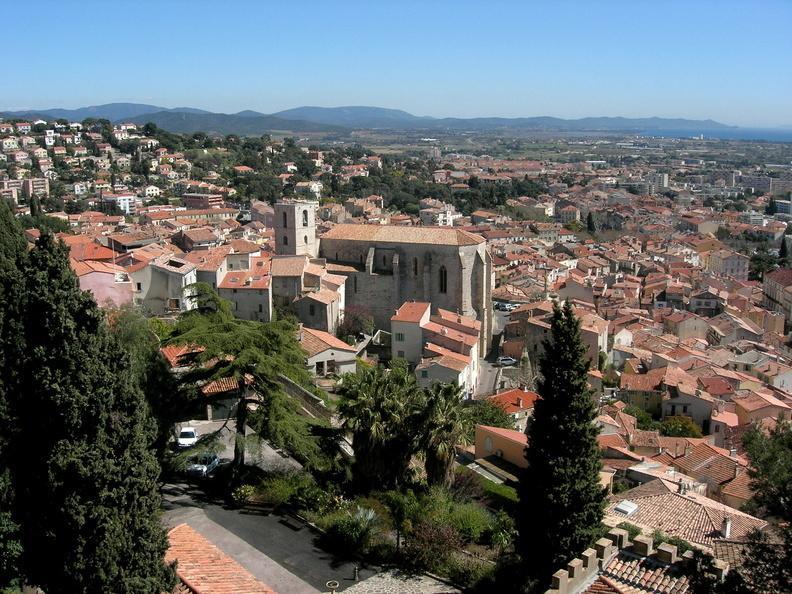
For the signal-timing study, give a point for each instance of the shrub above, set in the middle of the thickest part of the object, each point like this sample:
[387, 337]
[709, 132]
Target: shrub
[466, 486]
[430, 545]
[242, 494]
[470, 520]
[350, 534]
[466, 571]
[632, 529]
[682, 546]
[313, 498]
[280, 489]
[502, 532]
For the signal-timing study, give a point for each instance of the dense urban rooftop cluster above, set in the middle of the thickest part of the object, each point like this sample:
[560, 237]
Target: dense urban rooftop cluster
[673, 254]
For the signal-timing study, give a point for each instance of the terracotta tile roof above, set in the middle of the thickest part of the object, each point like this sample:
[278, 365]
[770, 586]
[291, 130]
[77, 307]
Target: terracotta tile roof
[323, 296]
[223, 385]
[613, 440]
[603, 585]
[90, 266]
[177, 353]
[645, 439]
[690, 516]
[317, 341]
[208, 260]
[739, 487]
[256, 279]
[516, 400]
[510, 434]
[401, 234]
[443, 361]
[450, 316]
[707, 462]
[205, 569]
[288, 265]
[411, 311]
[632, 574]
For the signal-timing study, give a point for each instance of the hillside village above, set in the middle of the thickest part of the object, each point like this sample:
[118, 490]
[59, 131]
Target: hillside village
[675, 261]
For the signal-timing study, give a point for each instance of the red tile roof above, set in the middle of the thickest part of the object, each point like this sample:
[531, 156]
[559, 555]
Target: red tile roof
[205, 569]
[411, 311]
[516, 400]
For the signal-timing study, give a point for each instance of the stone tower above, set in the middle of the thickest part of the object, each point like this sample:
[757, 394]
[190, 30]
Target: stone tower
[295, 228]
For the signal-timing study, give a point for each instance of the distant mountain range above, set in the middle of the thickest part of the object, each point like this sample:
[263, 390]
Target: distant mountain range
[346, 119]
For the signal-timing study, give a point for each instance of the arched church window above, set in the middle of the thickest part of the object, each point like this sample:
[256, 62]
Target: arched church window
[285, 240]
[285, 220]
[415, 266]
[443, 279]
[305, 218]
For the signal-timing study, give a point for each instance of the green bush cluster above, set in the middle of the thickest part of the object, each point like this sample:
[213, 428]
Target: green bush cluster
[280, 489]
[350, 534]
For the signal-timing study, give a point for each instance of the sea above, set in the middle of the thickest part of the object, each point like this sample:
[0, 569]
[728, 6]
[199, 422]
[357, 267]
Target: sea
[757, 134]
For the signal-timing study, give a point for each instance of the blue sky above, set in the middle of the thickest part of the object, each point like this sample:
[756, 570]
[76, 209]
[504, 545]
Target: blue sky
[726, 60]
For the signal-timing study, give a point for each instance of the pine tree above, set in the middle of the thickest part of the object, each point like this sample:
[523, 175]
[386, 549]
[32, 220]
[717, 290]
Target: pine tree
[85, 477]
[561, 500]
[590, 226]
[782, 253]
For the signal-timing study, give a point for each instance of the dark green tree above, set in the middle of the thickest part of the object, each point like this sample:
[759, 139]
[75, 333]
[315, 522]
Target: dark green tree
[485, 412]
[12, 258]
[166, 398]
[561, 500]
[679, 426]
[761, 263]
[86, 496]
[591, 227]
[253, 356]
[771, 208]
[783, 255]
[385, 412]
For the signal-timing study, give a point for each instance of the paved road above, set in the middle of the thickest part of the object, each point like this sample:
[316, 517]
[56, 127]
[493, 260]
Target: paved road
[283, 556]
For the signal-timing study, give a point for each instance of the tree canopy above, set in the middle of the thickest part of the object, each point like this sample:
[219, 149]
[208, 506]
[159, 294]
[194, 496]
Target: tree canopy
[561, 499]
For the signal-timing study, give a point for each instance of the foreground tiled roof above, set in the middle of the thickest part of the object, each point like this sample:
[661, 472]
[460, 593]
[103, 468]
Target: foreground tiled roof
[632, 574]
[204, 569]
[690, 516]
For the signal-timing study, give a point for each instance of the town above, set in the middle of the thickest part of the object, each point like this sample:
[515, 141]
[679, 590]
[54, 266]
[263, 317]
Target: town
[429, 279]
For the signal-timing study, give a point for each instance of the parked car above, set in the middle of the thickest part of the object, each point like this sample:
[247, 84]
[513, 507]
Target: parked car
[506, 361]
[187, 437]
[203, 465]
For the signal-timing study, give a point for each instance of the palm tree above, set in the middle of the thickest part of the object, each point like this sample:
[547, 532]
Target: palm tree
[447, 425]
[384, 411]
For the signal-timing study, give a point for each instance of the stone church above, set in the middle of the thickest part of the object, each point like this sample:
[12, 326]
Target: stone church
[386, 265]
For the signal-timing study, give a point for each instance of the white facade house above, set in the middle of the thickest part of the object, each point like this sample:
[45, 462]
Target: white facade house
[162, 286]
[326, 354]
[443, 347]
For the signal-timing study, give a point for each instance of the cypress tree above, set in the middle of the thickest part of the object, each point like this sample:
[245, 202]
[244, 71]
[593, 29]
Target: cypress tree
[12, 255]
[85, 477]
[561, 500]
[783, 255]
[590, 225]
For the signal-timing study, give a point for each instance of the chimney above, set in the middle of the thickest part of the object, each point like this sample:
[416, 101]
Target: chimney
[520, 402]
[726, 527]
